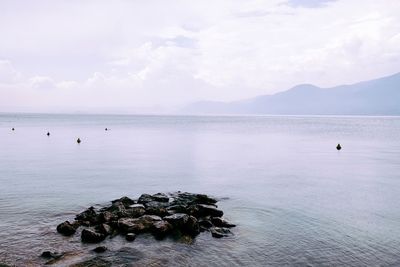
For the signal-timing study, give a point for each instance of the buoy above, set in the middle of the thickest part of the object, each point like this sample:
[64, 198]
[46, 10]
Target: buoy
[78, 141]
[338, 147]
[13, 129]
[106, 129]
[48, 133]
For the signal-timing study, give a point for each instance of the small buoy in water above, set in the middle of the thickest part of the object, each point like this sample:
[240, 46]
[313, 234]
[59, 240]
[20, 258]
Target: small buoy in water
[106, 129]
[48, 133]
[13, 129]
[78, 141]
[338, 147]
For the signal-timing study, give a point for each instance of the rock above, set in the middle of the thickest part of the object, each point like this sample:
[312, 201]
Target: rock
[157, 208]
[124, 200]
[205, 223]
[137, 206]
[187, 199]
[177, 209]
[147, 221]
[107, 216]
[160, 197]
[104, 229]
[191, 227]
[66, 228]
[181, 214]
[51, 255]
[150, 218]
[88, 215]
[203, 210]
[129, 225]
[137, 225]
[90, 236]
[84, 223]
[118, 210]
[177, 220]
[218, 232]
[130, 237]
[204, 199]
[100, 249]
[183, 222]
[161, 228]
[219, 222]
[144, 198]
[135, 211]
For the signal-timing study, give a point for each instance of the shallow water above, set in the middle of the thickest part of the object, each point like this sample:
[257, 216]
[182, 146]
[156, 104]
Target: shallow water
[297, 201]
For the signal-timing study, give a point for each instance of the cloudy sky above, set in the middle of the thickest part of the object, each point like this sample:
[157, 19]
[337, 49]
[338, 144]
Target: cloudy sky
[113, 56]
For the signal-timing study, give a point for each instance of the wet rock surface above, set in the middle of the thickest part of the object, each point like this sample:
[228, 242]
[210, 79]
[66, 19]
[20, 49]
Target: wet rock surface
[160, 214]
[66, 228]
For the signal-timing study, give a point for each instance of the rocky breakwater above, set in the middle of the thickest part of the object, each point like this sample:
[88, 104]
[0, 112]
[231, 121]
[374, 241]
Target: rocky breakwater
[159, 214]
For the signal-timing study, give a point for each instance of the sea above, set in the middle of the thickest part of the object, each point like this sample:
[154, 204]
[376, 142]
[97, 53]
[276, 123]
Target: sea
[295, 198]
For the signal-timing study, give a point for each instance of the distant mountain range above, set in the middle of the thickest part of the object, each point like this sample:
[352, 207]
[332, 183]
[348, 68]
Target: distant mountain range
[374, 97]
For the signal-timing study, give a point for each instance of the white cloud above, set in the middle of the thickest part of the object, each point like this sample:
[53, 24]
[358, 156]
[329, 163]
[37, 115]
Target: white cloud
[135, 54]
[42, 83]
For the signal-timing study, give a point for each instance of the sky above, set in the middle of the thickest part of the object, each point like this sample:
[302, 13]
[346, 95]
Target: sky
[157, 56]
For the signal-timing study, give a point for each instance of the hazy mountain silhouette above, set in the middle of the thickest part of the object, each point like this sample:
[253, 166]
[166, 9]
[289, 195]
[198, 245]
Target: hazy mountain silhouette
[374, 97]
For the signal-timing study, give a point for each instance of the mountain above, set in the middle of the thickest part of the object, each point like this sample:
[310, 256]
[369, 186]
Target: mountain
[374, 97]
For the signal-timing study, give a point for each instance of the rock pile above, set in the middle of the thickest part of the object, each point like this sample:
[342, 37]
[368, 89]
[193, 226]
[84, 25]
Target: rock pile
[159, 214]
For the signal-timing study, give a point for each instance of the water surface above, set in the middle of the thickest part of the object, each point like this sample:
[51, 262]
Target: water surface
[297, 201]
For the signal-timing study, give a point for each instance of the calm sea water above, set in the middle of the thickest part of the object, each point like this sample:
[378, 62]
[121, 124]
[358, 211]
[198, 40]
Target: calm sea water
[297, 201]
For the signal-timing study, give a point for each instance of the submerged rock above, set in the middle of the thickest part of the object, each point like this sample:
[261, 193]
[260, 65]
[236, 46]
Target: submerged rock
[100, 249]
[218, 232]
[95, 262]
